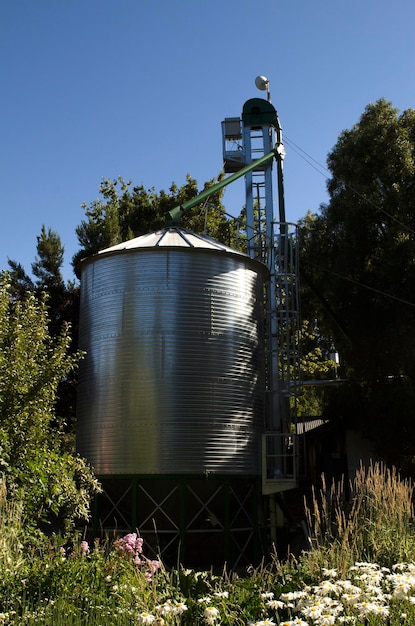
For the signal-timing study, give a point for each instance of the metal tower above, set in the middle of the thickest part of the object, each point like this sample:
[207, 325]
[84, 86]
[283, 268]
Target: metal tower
[246, 143]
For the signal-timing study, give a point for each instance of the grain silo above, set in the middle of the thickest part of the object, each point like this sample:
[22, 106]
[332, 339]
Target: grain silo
[192, 365]
[171, 392]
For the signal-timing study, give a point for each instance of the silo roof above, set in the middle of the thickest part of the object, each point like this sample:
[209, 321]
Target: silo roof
[171, 237]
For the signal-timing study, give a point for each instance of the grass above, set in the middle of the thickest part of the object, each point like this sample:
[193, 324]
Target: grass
[359, 571]
[376, 523]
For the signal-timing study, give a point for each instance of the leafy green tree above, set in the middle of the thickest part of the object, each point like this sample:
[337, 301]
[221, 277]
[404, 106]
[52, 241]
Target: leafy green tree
[315, 367]
[52, 484]
[358, 257]
[63, 308]
[124, 211]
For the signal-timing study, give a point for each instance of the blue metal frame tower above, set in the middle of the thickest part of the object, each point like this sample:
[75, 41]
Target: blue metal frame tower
[246, 141]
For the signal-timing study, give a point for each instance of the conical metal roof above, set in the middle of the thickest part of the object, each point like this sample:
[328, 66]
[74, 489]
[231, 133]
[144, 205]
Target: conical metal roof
[173, 237]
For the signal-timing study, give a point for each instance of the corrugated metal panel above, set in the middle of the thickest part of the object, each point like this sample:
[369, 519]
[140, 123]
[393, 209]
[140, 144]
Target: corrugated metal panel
[174, 237]
[173, 379]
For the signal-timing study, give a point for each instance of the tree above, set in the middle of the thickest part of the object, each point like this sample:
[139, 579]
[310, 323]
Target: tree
[316, 367]
[123, 212]
[51, 483]
[47, 270]
[63, 308]
[48, 264]
[358, 257]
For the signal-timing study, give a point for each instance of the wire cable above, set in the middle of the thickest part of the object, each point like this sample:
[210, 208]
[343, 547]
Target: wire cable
[319, 167]
[359, 284]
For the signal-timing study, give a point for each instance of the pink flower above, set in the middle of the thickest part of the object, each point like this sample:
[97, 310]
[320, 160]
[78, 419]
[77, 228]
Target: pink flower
[139, 545]
[84, 548]
[132, 545]
[129, 543]
[154, 566]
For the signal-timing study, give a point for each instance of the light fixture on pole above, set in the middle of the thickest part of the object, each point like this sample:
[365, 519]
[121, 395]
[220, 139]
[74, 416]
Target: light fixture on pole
[334, 356]
[262, 83]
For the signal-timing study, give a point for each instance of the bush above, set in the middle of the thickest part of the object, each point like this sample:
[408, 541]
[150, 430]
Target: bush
[50, 483]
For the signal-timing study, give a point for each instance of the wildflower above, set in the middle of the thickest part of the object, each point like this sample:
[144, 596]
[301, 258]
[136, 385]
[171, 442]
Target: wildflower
[399, 566]
[348, 586]
[327, 620]
[210, 614]
[365, 566]
[351, 599]
[325, 587]
[146, 618]
[164, 609]
[401, 590]
[84, 547]
[130, 544]
[222, 594]
[330, 573]
[381, 609]
[267, 596]
[313, 612]
[153, 565]
[366, 608]
[275, 604]
[204, 600]
[179, 607]
[290, 596]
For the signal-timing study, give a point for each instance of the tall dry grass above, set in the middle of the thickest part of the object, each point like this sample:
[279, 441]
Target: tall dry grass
[374, 523]
[11, 531]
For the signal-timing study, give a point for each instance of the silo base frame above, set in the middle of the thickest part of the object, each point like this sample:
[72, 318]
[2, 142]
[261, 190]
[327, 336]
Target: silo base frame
[198, 521]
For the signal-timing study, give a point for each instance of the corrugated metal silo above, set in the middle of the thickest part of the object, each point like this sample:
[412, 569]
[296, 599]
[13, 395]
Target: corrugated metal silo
[173, 377]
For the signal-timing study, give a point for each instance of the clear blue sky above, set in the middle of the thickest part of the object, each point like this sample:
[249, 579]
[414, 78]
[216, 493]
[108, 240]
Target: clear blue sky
[93, 89]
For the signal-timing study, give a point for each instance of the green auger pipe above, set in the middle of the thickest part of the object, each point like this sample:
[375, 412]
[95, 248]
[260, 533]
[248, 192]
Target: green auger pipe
[177, 212]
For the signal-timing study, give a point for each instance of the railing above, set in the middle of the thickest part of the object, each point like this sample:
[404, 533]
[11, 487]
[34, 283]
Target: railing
[279, 462]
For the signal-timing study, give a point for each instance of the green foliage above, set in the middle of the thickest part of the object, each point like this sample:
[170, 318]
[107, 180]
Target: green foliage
[358, 258]
[376, 524]
[360, 250]
[49, 260]
[314, 366]
[50, 483]
[75, 585]
[12, 530]
[124, 211]
[63, 309]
